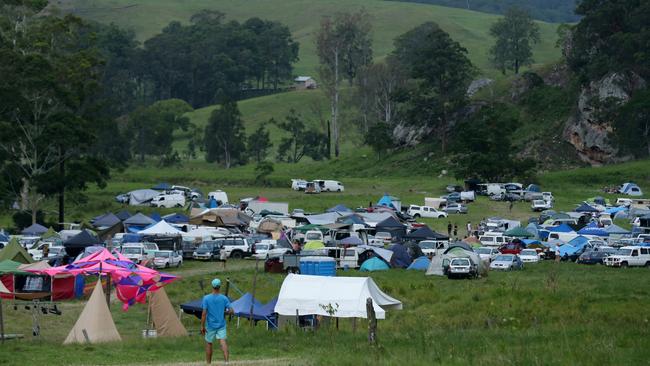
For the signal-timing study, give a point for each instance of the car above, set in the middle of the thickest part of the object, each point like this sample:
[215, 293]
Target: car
[387, 238]
[168, 200]
[630, 256]
[314, 235]
[506, 262]
[167, 258]
[461, 268]
[134, 251]
[493, 240]
[36, 251]
[330, 185]
[513, 247]
[487, 254]
[263, 247]
[298, 184]
[312, 188]
[190, 193]
[594, 257]
[453, 188]
[541, 205]
[455, 208]
[452, 197]
[430, 247]
[207, 251]
[236, 247]
[425, 211]
[529, 256]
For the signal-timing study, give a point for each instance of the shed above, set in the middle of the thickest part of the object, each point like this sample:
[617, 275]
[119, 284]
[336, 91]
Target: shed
[305, 82]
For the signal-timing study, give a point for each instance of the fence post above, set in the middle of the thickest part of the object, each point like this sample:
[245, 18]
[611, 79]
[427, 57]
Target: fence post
[372, 322]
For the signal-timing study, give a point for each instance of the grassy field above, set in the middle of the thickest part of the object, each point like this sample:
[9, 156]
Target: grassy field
[389, 20]
[546, 314]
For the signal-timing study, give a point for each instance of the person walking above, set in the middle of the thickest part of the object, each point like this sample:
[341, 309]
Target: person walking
[455, 230]
[510, 206]
[449, 229]
[213, 320]
[469, 229]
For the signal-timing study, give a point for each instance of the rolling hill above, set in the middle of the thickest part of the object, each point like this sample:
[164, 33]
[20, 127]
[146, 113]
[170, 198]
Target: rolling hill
[389, 19]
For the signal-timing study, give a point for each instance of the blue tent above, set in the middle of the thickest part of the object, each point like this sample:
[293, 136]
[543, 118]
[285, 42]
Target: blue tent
[35, 230]
[176, 218]
[123, 215]
[567, 249]
[420, 264]
[615, 210]
[387, 201]
[107, 220]
[584, 207]
[156, 217]
[392, 226]
[593, 229]
[401, 257]
[563, 228]
[530, 241]
[131, 238]
[615, 229]
[373, 264]
[241, 307]
[162, 187]
[578, 241]
[339, 208]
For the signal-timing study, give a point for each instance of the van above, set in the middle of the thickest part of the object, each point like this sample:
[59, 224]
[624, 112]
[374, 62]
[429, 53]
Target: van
[330, 185]
[313, 235]
[298, 184]
[349, 258]
[168, 201]
[493, 240]
[220, 196]
[495, 189]
[134, 252]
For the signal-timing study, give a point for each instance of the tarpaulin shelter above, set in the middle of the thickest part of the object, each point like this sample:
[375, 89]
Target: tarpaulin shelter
[519, 232]
[219, 217]
[351, 240]
[8, 269]
[61, 287]
[562, 228]
[34, 230]
[106, 220]
[420, 264]
[401, 257]
[15, 252]
[123, 215]
[176, 218]
[164, 316]
[425, 233]
[241, 308]
[614, 229]
[593, 229]
[390, 202]
[586, 208]
[95, 324]
[392, 226]
[160, 228]
[138, 222]
[338, 208]
[305, 295]
[353, 219]
[374, 264]
[79, 242]
[579, 241]
[142, 196]
[269, 225]
[323, 219]
[567, 249]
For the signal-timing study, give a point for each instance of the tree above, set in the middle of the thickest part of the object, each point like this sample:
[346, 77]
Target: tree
[224, 136]
[632, 126]
[344, 47]
[514, 34]
[379, 137]
[301, 141]
[262, 171]
[441, 71]
[259, 144]
[375, 91]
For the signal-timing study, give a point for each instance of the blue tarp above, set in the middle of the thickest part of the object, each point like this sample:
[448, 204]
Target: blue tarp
[373, 264]
[156, 216]
[387, 201]
[563, 228]
[593, 229]
[584, 207]
[241, 307]
[351, 219]
[530, 241]
[615, 210]
[176, 218]
[131, 238]
[578, 241]
[567, 249]
[420, 264]
[339, 208]
[401, 257]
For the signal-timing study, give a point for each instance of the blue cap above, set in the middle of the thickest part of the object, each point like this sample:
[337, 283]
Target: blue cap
[216, 283]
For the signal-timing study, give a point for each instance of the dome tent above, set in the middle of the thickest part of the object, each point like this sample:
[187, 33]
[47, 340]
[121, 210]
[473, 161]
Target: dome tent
[420, 264]
[374, 264]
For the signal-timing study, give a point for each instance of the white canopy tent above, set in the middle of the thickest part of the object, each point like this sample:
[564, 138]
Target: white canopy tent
[160, 228]
[310, 295]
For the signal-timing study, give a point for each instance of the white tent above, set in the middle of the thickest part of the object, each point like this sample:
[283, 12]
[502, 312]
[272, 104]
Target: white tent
[95, 321]
[313, 294]
[160, 228]
[323, 219]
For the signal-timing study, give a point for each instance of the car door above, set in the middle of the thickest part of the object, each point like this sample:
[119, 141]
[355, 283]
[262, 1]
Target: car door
[635, 259]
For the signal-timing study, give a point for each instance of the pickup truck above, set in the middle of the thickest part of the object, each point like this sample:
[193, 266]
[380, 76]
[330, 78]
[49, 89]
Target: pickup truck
[541, 205]
[425, 211]
[632, 256]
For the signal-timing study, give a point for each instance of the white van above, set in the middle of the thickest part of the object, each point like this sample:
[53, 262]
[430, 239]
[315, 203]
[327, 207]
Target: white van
[493, 240]
[134, 251]
[168, 200]
[298, 184]
[330, 185]
[219, 196]
[314, 235]
[495, 189]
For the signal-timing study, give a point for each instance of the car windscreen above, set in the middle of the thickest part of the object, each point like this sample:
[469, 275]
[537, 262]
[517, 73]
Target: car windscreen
[484, 251]
[427, 245]
[261, 247]
[131, 250]
[206, 246]
[162, 254]
[504, 258]
[626, 252]
[528, 252]
[460, 262]
[313, 236]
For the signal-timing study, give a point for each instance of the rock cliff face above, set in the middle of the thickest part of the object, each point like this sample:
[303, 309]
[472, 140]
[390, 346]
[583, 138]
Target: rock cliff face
[587, 130]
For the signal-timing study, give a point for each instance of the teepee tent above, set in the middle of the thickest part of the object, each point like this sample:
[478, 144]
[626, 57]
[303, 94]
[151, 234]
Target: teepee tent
[15, 252]
[164, 317]
[95, 324]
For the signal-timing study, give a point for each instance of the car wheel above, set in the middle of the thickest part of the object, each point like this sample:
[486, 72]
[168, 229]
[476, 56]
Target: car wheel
[441, 216]
[179, 205]
[624, 265]
[236, 255]
[339, 190]
[647, 264]
[416, 216]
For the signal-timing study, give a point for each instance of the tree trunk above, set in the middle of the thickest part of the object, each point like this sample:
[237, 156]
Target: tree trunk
[62, 195]
[335, 104]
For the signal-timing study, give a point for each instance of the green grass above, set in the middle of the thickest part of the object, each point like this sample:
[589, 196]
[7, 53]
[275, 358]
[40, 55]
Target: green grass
[546, 314]
[389, 19]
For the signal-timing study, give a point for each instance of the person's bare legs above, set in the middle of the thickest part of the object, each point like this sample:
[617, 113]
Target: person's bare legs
[208, 353]
[224, 349]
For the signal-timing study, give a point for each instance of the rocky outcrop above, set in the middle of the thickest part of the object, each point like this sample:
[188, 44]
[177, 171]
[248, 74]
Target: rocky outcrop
[588, 130]
[477, 85]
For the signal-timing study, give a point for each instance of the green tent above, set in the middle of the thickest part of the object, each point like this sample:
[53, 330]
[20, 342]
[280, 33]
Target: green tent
[306, 228]
[519, 232]
[11, 267]
[15, 252]
[50, 234]
[312, 245]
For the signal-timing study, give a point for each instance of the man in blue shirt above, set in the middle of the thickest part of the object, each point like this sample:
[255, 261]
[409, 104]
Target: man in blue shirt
[215, 306]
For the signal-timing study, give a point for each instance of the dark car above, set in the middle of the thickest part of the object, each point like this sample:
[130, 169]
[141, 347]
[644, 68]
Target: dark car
[208, 250]
[593, 257]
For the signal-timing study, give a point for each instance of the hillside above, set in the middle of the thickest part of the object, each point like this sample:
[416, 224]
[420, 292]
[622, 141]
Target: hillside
[389, 19]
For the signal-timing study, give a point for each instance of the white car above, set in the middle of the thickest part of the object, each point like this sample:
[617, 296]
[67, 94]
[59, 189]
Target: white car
[168, 200]
[632, 256]
[506, 262]
[262, 248]
[430, 247]
[541, 205]
[134, 252]
[487, 254]
[314, 235]
[493, 240]
[529, 256]
[167, 258]
[383, 236]
[298, 184]
[425, 211]
[330, 185]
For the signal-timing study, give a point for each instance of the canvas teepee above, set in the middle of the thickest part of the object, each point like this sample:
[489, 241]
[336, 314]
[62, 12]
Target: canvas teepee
[164, 317]
[95, 320]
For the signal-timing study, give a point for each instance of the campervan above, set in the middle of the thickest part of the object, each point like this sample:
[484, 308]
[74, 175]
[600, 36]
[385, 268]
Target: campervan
[330, 185]
[168, 201]
[219, 196]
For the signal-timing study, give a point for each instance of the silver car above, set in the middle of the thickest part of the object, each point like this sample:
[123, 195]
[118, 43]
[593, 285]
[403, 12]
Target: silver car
[455, 208]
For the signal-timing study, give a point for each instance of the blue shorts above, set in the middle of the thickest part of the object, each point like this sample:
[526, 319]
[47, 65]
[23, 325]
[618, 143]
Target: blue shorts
[212, 334]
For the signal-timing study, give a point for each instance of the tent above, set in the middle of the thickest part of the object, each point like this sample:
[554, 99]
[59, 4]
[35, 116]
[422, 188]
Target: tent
[142, 196]
[306, 295]
[585, 207]
[391, 202]
[374, 264]
[160, 228]
[339, 208]
[563, 228]
[61, 287]
[176, 218]
[382, 253]
[424, 233]
[392, 226]
[139, 219]
[401, 257]
[630, 189]
[459, 244]
[579, 241]
[616, 230]
[567, 249]
[8, 269]
[50, 234]
[519, 232]
[269, 225]
[79, 242]
[95, 324]
[219, 217]
[34, 230]
[313, 245]
[598, 200]
[351, 220]
[593, 229]
[106, 220]
[123, 215]
[15, 252]
[164, 316]
[323, 219]
[420, 264]
[155, 216]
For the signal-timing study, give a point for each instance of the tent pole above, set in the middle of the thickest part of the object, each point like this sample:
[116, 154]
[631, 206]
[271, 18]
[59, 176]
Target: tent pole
[257, 262]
